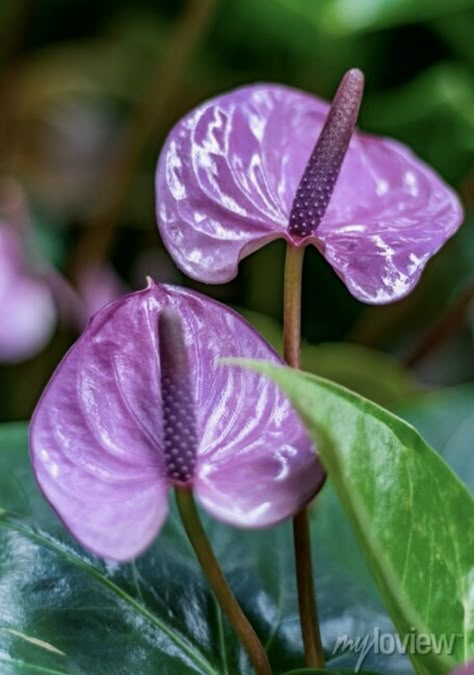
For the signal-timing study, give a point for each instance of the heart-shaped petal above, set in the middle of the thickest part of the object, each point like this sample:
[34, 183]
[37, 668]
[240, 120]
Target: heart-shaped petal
[97, 441]
[229, 171]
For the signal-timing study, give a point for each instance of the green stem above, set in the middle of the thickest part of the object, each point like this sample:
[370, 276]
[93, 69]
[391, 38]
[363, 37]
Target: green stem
[292, 305]
[313, 648]
[231, 608]
[301, 535]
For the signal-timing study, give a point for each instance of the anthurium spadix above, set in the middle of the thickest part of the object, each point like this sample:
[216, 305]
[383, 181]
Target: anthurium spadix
[141, 404]
[265, 162]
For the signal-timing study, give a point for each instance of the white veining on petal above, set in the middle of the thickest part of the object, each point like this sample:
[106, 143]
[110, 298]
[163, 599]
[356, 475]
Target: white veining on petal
[382, 186]
[257, 125]
[173, 168]
[411, 183]
[243, 155]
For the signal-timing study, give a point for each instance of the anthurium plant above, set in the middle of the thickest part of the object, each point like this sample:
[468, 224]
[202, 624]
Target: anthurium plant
[206, 505]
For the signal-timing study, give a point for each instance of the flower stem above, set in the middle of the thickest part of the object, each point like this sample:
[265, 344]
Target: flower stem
[301, 535]
[231, 608]
[313, 648]
[292, 305]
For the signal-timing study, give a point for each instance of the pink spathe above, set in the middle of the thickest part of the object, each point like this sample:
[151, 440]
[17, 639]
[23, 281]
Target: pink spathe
[229, 172]
[97, 441]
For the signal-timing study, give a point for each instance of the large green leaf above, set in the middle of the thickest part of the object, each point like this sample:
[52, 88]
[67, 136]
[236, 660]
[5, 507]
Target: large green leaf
[446, 420]
[410, 512]
[369, 372]
[62, 611]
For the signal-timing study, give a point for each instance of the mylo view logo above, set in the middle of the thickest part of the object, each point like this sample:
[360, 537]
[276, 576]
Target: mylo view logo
[379, 642]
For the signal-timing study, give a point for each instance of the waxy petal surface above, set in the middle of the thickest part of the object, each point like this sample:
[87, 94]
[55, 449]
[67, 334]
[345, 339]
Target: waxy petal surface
[229, 171]
[27, 309]
[97, 435]
[257, 487]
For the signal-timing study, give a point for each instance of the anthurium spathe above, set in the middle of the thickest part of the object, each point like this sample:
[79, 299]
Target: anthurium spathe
[27, 308]
[243, 169]
[101, 433]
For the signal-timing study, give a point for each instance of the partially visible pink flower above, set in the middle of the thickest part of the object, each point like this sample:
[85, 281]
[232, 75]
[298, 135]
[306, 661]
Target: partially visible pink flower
[139, 405]
[34, 296]
[229, 180]
[98, 285]
[27, 308]
[468, 669]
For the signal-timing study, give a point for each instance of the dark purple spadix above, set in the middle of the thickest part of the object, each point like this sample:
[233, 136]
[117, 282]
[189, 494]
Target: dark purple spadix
[179, 417]
[119, 424]
[322, 170]
[230, 169]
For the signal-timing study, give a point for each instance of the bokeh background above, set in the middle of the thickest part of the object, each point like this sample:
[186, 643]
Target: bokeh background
[89, 90]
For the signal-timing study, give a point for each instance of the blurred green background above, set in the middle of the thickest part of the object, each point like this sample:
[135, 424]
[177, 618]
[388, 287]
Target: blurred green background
[90, 88]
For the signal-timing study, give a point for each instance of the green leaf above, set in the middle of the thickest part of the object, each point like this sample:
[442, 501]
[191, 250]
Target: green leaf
[347, 16]
[438, 98]
[63, 611]
[456, 31]
[369, 372]
[408, 509]
[446, 420]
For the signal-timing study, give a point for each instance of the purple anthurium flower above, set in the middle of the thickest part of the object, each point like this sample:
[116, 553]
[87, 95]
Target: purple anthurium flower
[27, 308]
[140, 404]
[242, 170]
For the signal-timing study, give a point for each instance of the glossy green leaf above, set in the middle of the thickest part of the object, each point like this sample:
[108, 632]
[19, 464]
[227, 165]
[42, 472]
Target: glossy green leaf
[446, 420]
[64, 612]
[369, 372]
[408, 509]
